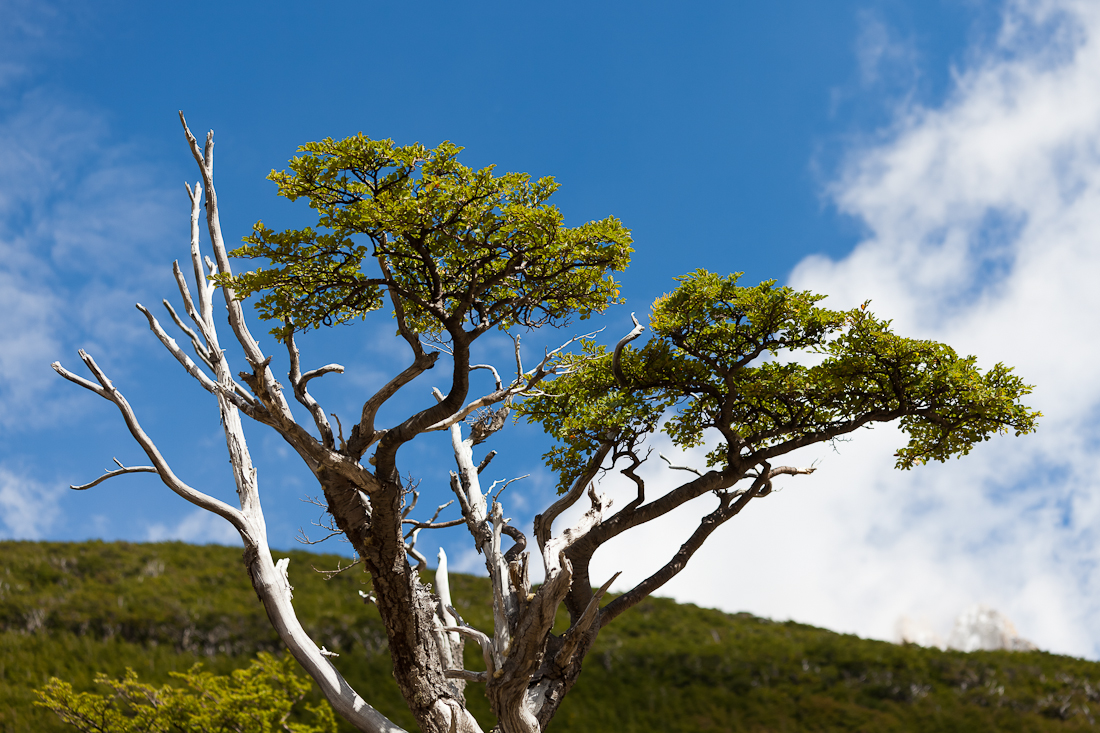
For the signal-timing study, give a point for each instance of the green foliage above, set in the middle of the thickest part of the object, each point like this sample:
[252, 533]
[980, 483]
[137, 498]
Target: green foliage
[677, 667]
[731, 359]
[71, 610]
[456, 245]
[257, 699]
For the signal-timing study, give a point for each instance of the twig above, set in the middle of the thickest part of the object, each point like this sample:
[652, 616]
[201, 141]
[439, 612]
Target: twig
[118, 472]
[507, 483]
[329, 574]
[304, 539]
[435, 525]
[679, 468]
[339, 431]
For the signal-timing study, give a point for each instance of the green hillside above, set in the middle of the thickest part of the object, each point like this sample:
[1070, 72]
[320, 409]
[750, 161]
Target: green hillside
[73, 609]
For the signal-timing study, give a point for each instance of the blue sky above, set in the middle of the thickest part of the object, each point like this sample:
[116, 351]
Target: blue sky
[939, 157]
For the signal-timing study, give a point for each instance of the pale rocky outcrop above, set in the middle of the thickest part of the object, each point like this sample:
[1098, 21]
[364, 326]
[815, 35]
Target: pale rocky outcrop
[984, 628]
[977, 628]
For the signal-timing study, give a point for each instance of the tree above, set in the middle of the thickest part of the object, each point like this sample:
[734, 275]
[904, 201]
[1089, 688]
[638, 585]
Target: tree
[457, 253]
[258, 699]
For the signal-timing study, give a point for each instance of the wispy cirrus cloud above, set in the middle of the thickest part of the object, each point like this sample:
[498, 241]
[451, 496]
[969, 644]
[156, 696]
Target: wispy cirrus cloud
[80, 220]
[983, 230]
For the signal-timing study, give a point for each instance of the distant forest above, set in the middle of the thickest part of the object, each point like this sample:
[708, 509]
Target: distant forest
[71, 610]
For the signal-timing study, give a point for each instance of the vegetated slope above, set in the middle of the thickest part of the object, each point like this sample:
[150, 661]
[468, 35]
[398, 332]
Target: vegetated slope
[73, 609]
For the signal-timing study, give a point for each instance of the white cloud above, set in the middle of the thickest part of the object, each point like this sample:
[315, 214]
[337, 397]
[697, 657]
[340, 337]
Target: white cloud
[81, 221]
[28, 508]
[199, 526]
[983, 221]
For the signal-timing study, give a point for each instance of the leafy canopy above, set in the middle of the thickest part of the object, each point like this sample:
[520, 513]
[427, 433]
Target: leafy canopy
[258, 699]
[711, 365]
[460, 247]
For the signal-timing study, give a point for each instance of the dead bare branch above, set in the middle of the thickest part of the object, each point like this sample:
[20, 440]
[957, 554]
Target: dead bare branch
[115, 472]
[482, 640]
[435, 525]
[107, 390]
[543, 523]
[507, 483]
[298, 382]
[678, 468]
[246, 404]
[200, 350]
[329, 574]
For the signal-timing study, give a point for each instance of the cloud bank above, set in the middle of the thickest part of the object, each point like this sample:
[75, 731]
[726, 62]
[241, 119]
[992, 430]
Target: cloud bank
[982, 221]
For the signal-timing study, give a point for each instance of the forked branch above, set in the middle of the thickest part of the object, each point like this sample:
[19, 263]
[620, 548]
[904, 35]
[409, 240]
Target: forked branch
[115, 472]
[106, 390]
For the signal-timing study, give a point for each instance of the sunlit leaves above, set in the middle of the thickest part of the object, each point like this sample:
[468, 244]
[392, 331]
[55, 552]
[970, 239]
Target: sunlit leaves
[258, 699]
[461, 248]
[766, 371]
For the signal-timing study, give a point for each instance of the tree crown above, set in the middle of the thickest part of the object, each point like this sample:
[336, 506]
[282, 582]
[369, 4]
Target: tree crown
[711, 365]
[460, 247]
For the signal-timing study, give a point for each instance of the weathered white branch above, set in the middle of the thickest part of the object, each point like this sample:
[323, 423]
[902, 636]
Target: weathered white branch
[544, 522]
[491, 368]
[197, 345]
[189, 304]
[78, 380]
[252, 351]
[443, 590]
[322, 371]
[554, 547]
[678, 468]
[507, 483]
[117, 472]
[421, 561]
[485, 525]
[482, 640]
[235, 393]
[107, 390]
[205, 289]
[173, 348]
[298, 382]
[790, 471]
